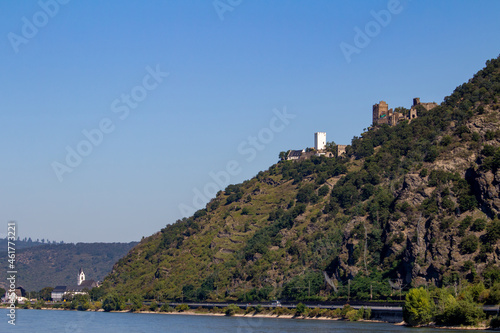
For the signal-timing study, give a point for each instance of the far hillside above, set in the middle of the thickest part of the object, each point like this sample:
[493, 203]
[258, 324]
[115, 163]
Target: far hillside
[50, 265]
[26, 242]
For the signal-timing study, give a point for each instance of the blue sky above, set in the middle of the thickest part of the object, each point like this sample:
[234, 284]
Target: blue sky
[246, 80]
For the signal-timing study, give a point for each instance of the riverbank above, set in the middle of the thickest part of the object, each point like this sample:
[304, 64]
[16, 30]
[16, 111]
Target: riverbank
[250, 316]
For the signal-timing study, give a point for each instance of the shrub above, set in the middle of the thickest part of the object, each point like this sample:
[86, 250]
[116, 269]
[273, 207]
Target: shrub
[462, 312]
[367, 314]
[182, 307]
[153, 306]
[345, 309]
[323, 190]
[417, 308]
[469, 244]
[478, 225]
[166, 308]
[113, 302]
[215, 310]
[301, 309]
[279, 311]
[316, 312]
[493, 232]
[494, 294]
[249, 309]
[352, 315]
[231, 310]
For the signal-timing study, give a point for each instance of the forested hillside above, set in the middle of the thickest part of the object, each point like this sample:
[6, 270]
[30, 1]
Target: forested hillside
[409, 205]
[51, 265]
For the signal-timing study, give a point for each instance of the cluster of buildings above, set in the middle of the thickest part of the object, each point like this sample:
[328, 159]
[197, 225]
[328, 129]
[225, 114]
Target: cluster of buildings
[319, 149]
[83, 286]
[19, 293]
[381, 115]
[60, 292]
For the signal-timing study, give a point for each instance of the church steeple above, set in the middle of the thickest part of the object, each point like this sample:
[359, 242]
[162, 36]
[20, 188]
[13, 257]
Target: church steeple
[81, 276]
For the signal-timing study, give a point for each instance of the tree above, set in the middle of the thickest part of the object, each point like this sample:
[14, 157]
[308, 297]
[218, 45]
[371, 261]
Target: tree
[136, 303]
[417, 309]
[113, 302]
[331, 146]
[469, 244]
[283, 155]
[46, 293]
[300, 309]
[461, 311]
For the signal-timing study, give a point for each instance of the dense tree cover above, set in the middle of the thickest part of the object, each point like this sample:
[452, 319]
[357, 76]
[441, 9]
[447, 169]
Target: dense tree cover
[422, 307]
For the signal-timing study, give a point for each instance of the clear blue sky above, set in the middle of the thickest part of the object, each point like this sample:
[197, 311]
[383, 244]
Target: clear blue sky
[71, 67]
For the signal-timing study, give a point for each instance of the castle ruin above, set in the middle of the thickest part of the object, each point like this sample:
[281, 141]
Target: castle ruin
[383, 115]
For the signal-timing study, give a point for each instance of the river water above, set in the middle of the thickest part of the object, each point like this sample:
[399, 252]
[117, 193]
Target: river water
[42, 321]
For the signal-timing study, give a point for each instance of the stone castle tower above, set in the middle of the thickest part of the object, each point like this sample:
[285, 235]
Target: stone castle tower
[383, 115]
[380, 113]
[81, 277]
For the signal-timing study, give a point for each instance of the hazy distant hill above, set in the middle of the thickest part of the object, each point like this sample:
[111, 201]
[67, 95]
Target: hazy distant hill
[58, 264]
[23, 243]
[415, 204]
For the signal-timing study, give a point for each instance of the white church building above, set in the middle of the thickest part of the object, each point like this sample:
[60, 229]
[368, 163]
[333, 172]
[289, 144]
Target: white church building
[83, 287]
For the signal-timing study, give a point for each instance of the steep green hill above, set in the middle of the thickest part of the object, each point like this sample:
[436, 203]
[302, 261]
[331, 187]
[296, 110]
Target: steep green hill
[58, 264]
[412, 204]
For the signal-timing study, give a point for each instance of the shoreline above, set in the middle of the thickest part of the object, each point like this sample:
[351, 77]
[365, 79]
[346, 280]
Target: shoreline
[275, 316]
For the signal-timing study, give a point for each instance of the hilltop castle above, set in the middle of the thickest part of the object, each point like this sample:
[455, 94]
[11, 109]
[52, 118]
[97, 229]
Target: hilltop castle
[383, 115]
[319, 149]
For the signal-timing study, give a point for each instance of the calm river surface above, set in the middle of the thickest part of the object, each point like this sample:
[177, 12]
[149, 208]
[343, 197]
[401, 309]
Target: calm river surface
[42, 321]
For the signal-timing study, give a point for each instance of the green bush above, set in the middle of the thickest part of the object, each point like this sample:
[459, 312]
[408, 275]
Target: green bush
[113, 302]
[280, 311]
[468, 244]
[231, 310]
[453, 312]
[166, 308]
[417, 309]
[352, 315]
[478, 225]
[316, 312]
[182, 307]
[301, 309]
[323, 190]
[367, 314]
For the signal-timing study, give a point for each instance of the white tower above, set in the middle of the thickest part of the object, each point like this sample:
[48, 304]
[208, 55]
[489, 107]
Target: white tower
[319, 140]
[81, 276]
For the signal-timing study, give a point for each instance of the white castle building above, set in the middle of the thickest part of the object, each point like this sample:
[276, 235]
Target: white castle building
[319, 140]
